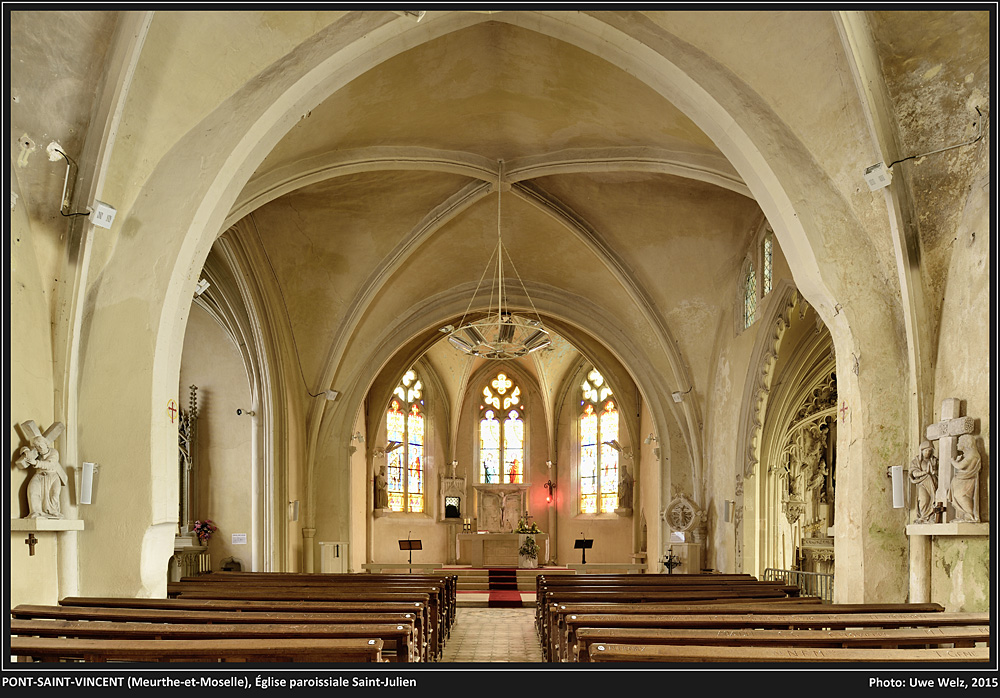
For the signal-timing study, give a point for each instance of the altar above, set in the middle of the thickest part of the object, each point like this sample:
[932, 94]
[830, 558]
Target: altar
[497, 549]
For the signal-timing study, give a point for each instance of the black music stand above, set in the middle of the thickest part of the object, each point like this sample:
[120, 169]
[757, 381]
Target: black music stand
[583, 545]
[410, 545]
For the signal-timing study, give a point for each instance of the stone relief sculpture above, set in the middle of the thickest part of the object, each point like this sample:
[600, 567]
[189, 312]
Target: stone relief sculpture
[923, 474]
[45, 486]
[965, 480]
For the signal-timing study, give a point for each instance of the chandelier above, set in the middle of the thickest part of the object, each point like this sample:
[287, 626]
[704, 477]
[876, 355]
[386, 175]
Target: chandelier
[501, 333]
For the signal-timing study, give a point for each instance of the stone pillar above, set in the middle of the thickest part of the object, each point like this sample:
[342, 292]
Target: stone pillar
[920, 569]
[308, 553]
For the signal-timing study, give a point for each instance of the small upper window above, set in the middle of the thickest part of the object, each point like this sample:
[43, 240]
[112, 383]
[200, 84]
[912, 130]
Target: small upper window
[749, 296]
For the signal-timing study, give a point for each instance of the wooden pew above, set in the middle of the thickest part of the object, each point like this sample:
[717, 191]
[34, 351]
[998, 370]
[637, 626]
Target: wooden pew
[854, 656]
[233, 611]
[428, 595]
[315, 650]
[744, 621]
[563, 636]
[886, 638]
[555, 632]
[398, 642]
[448, 584]
[634, 595]
[545, 587]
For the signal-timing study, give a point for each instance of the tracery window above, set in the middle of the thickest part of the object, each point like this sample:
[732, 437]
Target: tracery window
[598, 464]
[756, 276]
[501, 432]
[405, 429]
[749, 295]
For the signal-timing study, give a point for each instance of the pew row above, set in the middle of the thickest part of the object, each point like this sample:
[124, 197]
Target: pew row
[853, 656]
[738, 622]
[885, 638]
[232, 612]
[255, 650]
[398, 644]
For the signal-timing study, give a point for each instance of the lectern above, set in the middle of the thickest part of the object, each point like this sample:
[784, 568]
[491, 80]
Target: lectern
[582, 544]
[410, 545]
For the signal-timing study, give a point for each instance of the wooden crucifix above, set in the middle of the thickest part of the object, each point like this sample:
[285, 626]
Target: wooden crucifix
[946, 433]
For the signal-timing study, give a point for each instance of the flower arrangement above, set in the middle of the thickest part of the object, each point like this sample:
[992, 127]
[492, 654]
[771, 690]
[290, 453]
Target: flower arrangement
[528, 549]
[204, 530]
[523, 527]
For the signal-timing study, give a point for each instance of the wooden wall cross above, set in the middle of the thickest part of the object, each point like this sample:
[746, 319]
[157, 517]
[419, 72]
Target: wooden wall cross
[31, 541]
[946, 433]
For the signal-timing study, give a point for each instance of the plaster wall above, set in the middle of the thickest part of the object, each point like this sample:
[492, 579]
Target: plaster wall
[960, 568]
[212, 362]
[31, 397]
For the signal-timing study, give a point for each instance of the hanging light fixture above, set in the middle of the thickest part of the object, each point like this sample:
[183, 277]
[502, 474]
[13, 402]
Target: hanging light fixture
[501, 333]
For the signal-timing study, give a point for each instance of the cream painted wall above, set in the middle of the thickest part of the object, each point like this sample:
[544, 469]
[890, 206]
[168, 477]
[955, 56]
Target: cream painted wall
[212, 362]
[31, 396]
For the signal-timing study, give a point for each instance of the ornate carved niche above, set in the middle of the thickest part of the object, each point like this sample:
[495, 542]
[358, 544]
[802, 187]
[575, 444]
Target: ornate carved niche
[452, 495]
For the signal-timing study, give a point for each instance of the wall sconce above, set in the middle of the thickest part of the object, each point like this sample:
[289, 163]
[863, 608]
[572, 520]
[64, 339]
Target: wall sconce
[678, 396]
[293, 510]
[359, 437]
[728, 507]
[549, 464]
[651, 439]
[549, 485]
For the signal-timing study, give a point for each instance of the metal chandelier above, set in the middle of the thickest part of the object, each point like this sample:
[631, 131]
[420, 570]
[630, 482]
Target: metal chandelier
[500, 334]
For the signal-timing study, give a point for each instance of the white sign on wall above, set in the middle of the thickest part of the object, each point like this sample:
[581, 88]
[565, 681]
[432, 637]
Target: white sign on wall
[239, 539]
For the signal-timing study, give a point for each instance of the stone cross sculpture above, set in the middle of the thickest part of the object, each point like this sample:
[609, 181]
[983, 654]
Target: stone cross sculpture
[46, 484]
[953, 431]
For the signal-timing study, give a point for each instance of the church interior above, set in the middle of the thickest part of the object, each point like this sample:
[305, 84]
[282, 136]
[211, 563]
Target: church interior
[706, 290]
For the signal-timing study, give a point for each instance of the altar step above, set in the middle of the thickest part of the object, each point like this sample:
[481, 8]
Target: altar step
[474, 587]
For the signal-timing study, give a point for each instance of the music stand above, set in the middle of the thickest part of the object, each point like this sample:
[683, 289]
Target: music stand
[583, 545]
[410, 545]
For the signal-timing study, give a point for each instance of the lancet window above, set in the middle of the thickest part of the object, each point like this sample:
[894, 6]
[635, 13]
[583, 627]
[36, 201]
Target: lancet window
[405, 431]
[501, 432]
[599, 449]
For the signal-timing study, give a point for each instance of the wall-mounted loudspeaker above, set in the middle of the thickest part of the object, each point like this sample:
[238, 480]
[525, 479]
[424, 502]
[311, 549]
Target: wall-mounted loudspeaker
[896, 471]
[87, 483]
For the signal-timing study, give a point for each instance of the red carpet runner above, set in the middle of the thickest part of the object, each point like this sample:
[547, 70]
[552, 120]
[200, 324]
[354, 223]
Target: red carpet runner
[503, 589]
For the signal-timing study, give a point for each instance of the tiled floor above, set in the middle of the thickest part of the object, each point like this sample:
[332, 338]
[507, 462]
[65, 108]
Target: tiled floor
[493, 635]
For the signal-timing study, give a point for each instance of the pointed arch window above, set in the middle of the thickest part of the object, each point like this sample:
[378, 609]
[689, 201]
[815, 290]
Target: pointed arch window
[749, 295]
[405, 429]
[598, 464]
[501, 432]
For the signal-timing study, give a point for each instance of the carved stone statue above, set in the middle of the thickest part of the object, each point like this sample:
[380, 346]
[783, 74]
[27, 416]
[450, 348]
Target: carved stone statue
[965, 479]
[381, 490]
[923, 474]
[45, 486]
[625, 489]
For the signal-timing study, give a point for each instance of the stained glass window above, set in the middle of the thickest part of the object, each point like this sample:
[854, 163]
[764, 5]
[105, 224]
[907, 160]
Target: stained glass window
[768, 252]
[598, 464]
[749, 296]
[405, 428]
[501, 432]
